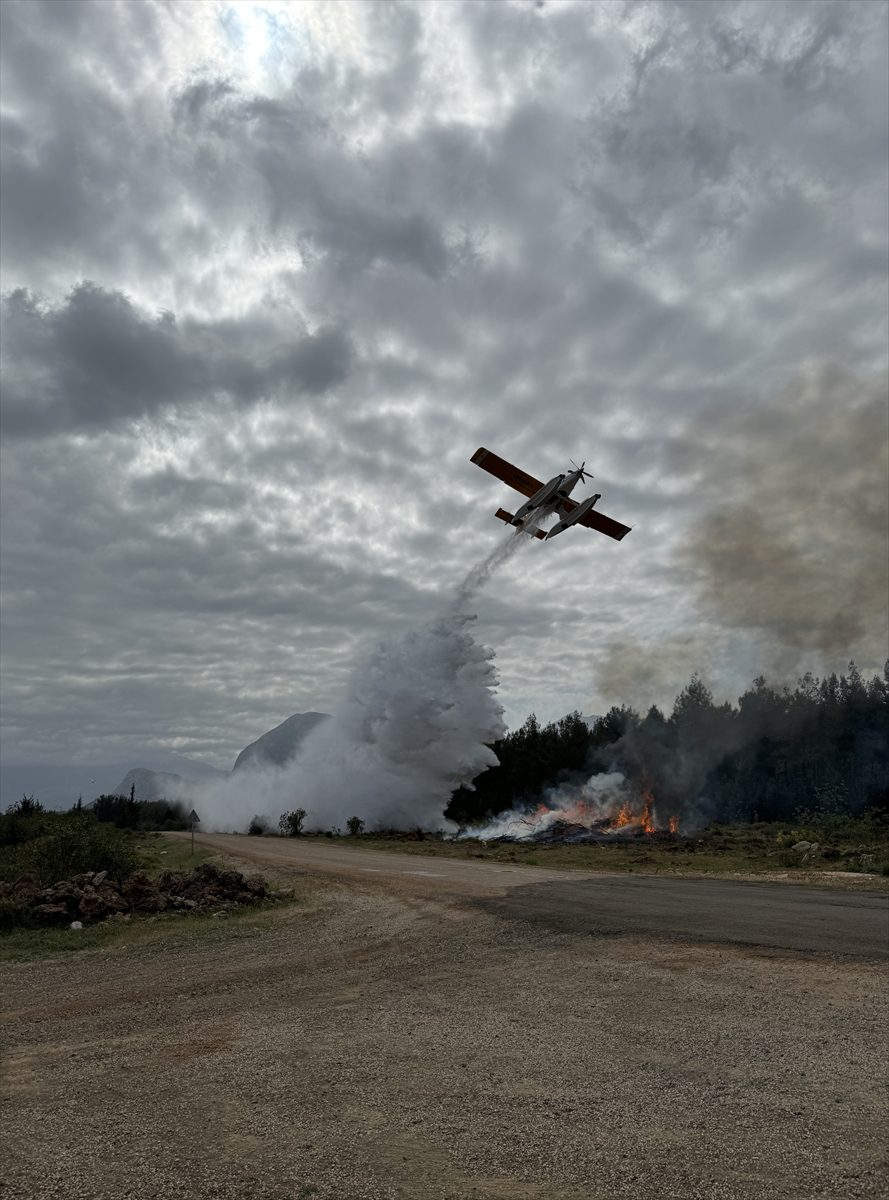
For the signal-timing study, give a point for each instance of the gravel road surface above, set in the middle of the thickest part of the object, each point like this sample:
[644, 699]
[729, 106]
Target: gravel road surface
[428, 1029]
[782, 916]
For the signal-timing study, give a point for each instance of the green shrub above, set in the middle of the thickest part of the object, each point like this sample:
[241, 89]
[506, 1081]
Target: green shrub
[257, 827]
[788, 858]
[291, 823]
[22, 821]
[355, 826]
[66, 844]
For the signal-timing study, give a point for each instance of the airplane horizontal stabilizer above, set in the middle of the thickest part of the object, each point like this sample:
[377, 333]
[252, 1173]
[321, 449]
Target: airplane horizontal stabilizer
[507, 517]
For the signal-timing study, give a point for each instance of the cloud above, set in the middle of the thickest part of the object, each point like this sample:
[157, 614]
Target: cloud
[330, 256]
[96, 360]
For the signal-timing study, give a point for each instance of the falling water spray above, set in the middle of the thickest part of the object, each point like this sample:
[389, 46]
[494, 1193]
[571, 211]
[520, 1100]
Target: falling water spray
[416, 720]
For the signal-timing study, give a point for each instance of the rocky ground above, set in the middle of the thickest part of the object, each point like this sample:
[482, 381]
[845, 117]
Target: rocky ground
[385, 1040]
[93, 896]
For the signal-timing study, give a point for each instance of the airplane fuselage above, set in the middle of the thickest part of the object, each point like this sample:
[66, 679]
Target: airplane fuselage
[549, 497]
[546, 499]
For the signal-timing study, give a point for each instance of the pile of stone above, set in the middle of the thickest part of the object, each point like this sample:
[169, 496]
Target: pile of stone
[94, 897]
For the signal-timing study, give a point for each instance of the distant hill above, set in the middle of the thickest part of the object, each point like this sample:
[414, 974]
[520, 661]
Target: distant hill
[59, 786]
[280, 744]
[153, 785]
[166, 775]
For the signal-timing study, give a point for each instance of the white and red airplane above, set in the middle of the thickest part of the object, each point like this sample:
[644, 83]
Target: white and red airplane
[546, 498]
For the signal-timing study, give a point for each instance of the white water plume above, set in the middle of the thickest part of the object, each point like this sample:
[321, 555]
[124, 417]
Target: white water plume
[479, 575]
[413, 724]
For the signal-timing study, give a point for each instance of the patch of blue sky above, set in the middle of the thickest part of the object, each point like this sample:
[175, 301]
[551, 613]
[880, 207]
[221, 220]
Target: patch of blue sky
[267, 41]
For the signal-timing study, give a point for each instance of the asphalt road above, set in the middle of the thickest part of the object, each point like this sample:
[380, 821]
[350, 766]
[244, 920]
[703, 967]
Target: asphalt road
[774, 916]
[819, 921]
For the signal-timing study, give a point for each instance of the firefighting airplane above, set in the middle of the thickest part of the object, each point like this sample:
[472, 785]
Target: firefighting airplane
[546, 498]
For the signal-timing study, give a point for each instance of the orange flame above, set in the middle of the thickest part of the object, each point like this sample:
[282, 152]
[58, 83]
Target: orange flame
[646, 820]
[674, 824]
[624, 817]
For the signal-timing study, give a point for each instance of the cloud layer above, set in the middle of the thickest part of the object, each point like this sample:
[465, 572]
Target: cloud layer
[273, 272]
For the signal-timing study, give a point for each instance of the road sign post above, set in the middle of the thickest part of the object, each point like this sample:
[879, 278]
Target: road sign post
[193, 819]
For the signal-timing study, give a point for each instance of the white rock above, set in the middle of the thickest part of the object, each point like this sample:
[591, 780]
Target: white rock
[76, 925]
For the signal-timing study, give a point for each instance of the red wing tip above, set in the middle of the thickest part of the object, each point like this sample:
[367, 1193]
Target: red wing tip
[480, 454]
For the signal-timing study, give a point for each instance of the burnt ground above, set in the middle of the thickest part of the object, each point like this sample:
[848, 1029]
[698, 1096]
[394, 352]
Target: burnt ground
[447, 1030]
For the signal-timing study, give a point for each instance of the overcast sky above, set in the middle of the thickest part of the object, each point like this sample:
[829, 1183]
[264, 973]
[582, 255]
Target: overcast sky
[272, 272]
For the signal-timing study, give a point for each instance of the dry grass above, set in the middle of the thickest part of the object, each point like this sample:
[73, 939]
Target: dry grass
[855, 856]
[159, 853]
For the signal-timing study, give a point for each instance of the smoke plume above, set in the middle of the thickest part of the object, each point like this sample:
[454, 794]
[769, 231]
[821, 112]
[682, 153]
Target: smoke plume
[413, 724]
[795, 548]
[637, 675]
[787, 562]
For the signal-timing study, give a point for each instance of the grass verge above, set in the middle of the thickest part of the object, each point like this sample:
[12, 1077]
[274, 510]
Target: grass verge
[24, 945]
[856, 856]
[156, 853]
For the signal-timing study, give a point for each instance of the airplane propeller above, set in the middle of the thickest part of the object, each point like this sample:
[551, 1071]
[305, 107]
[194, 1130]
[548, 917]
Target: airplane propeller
[584, 475]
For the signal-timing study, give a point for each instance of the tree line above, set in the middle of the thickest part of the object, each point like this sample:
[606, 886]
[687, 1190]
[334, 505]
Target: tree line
[821, 747]
[28, 818]
[49, 845]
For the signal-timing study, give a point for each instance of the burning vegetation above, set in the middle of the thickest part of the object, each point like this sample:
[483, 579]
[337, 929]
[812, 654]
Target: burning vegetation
[822, 747]
[600, 810]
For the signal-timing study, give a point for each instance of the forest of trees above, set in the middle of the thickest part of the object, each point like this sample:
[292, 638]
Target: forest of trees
[25, 820]
[821, 747]
[126, 812]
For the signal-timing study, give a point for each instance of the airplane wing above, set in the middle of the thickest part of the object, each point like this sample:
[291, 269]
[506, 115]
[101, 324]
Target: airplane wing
[598, 521]
[526, 484]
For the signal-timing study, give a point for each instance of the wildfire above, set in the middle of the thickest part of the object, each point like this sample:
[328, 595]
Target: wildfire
[606, 806]
[646, 820]
[641, 815]
[624, 817]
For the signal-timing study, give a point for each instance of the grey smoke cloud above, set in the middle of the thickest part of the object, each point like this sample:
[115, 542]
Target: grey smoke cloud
[793, 544]
[789, 544]
[640, 673]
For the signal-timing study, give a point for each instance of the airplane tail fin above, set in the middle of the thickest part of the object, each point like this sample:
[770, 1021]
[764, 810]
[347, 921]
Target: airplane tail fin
[503, 515]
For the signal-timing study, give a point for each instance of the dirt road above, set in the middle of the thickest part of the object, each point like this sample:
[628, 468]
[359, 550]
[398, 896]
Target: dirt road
[781, 916]
[456, 1033]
